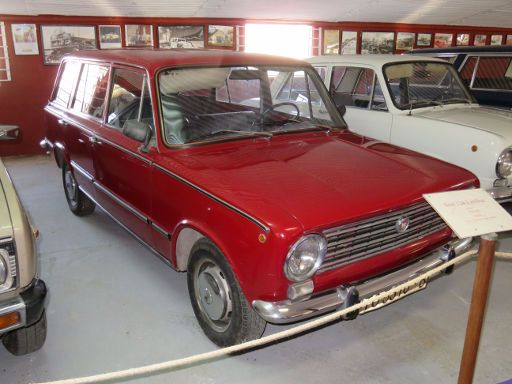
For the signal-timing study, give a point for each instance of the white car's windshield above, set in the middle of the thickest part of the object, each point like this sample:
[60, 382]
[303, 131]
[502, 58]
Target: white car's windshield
[423, 84]
[211, 103]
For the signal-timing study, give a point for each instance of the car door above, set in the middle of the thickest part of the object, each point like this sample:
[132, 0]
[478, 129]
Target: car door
[82, 119]
[359, 90]
[122, 169]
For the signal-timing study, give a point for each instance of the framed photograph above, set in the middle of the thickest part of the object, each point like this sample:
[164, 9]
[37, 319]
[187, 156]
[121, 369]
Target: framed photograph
[496, 39]
[331, 42]
[442, 40]
[61, 39]
[424, 39]
[509, 40]
[138, 35]
[221, 36]
[404, 41]
[462, 39]
[480, 40]
[24, 37]
[110, 36]
[181, 36]
[377, 42]
[348, 42]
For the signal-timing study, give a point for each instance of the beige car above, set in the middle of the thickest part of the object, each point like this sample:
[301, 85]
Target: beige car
[22, 293]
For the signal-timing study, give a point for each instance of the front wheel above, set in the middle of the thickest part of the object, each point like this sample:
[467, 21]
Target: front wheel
[26, 340]
[78, 202]
[218, 301]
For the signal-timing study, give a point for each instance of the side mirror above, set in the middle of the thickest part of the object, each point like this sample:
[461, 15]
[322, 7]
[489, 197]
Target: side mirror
[341, 109]
[140, 131]
[9, 132]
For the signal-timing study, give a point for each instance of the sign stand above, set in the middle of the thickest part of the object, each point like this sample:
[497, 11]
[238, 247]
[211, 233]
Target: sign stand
[477, 307]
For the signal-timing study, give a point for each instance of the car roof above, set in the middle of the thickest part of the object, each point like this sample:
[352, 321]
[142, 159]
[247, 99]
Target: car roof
[472, 49]
[153, 59]
[375, 60]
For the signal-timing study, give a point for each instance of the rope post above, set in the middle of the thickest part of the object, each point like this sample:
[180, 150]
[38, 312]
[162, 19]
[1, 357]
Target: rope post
[477, 307]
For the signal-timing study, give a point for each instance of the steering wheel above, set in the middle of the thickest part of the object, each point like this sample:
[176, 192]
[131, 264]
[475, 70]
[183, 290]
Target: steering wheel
[274, 106]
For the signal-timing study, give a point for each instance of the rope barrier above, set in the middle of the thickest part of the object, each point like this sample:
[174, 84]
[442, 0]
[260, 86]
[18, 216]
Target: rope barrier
[201, 358]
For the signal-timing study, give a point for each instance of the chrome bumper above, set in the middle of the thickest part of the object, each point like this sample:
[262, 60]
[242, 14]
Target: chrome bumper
[501, 194]
[46, 144]
[287, 311]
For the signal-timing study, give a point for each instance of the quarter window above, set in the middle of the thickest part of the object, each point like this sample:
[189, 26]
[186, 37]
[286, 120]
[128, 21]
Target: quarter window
[66, 83]
[491, 73]
[91, 90]
[356, 87]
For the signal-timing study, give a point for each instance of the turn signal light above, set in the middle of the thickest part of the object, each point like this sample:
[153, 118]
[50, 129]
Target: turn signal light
[9, 319]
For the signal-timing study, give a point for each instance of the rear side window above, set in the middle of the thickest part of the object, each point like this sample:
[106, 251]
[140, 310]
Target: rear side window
[130, 99]
[91, 90]
[66, 83]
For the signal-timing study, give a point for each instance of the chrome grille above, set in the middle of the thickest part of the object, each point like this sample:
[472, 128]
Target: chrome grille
[356, 241]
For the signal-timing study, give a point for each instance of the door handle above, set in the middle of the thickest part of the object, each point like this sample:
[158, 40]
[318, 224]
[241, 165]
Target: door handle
[63, 122]
[94, 140]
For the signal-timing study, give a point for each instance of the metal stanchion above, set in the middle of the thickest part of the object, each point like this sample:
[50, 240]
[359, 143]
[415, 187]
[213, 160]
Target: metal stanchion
[477, 307]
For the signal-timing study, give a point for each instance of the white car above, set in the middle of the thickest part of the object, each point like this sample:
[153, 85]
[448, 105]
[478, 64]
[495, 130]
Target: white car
[417, 103]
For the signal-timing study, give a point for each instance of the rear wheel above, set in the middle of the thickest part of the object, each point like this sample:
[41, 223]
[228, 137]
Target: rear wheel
[26, 340]
[218, 301]
[78, 202]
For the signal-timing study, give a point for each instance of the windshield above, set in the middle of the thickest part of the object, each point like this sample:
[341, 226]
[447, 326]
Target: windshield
[424, 84]
[212, 103]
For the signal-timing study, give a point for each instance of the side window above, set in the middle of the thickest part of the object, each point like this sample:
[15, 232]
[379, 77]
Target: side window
[91, 90]
[296, 89]
[66, 83]
[130, 99]
[491, 73]
[356, 87]
[322, 71]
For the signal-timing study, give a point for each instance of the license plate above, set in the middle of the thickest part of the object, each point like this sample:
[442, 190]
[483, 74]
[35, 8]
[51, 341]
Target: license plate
[376, 303]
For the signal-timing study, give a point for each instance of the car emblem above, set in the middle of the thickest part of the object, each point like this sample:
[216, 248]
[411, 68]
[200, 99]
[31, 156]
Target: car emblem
[402, 224]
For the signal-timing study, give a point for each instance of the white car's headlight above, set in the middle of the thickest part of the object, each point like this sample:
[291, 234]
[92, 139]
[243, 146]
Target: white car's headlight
[305, 257]
[504, 164]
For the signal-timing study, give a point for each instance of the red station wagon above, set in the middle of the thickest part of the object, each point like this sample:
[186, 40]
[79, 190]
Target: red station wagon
[276, 214]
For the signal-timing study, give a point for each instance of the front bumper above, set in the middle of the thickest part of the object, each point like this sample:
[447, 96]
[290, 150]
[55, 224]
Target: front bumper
[501, 194]
[25, 309]
[288, 311]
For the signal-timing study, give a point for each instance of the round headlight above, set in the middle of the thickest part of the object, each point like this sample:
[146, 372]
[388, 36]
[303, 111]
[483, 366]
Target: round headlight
[504, 164]
[305, 257]
[3, 267]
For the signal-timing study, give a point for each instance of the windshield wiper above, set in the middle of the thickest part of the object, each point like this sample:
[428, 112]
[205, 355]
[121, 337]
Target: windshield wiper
[222, 132]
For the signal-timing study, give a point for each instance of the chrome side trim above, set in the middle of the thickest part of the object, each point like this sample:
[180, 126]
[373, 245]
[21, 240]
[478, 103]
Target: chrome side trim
[154, 251]
[211, 196]
[122, 203]
[78, 168]
[287, 311]
[160, 230]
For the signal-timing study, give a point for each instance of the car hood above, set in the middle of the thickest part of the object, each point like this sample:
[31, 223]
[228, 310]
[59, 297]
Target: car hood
[492, 120]
[314, 180]
[5, 217]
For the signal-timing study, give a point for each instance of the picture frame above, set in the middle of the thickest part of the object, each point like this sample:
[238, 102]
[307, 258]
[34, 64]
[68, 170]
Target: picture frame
[138, 35]
[110, 36]
[405, 41]
[377, 42]
[331, 41]
[462, 39]
[424, 39]
[24, 37]
[348, 42]
[181, 36]
[221, 36]
[496, 39]
[509, 40]
[58, 40]
[480, 40]
[443, 40]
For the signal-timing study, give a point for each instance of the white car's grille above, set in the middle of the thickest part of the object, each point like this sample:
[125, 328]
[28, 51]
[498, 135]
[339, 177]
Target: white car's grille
[363, 239]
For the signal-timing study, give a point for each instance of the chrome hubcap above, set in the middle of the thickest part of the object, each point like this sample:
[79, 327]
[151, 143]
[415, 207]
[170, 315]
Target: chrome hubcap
[213, 295]
[70, 185]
